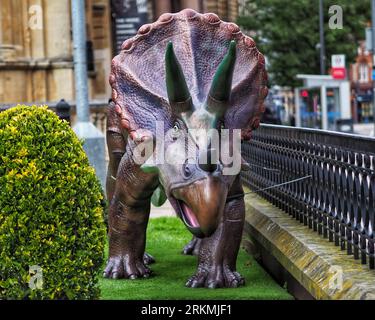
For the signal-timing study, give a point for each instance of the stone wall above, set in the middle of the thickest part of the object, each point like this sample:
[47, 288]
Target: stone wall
[226, 9]
[36, 51]
[308, 265]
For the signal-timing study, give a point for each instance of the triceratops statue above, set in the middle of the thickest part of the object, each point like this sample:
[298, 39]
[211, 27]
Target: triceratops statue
[187, 71]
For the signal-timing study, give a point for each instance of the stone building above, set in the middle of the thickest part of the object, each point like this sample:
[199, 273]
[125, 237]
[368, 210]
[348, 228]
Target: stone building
[36, 50]
[226, 9]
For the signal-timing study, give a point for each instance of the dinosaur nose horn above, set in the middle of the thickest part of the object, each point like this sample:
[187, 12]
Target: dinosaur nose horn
[208, 160]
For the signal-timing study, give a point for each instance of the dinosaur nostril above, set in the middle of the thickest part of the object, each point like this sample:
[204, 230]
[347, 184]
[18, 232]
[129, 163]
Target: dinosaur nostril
[187, 171]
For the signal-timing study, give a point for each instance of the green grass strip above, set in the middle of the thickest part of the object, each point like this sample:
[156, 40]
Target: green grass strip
[165, 240]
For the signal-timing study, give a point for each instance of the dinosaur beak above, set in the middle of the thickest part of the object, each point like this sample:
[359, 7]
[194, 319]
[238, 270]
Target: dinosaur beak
[201, 205]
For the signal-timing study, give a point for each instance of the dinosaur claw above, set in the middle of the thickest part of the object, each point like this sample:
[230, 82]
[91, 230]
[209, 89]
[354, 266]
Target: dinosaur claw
[234, 284]
[188, 283]
[240, 279]
[196, 284]
[212, 285]
[148, 259]
[115, 275]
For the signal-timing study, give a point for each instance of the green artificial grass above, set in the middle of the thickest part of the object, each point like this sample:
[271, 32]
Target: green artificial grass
[165, 240]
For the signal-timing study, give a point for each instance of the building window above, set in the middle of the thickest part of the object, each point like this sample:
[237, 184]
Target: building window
[363, 73]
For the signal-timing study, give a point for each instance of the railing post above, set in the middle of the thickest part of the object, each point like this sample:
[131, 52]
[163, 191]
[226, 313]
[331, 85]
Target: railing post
[94, 143]
[297, 106]
[80, 60]
[323, 102]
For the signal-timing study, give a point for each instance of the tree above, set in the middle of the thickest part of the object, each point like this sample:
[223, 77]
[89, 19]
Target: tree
[287, 32]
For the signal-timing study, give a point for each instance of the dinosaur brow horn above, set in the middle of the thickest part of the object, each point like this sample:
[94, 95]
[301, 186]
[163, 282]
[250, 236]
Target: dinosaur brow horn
[178, 93]
[222, 83]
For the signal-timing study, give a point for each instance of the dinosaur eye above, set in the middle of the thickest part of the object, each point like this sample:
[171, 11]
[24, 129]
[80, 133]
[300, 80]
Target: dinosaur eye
[175, 131]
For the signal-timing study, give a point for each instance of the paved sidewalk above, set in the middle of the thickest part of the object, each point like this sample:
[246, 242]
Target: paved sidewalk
[165, 210]
[365, 129]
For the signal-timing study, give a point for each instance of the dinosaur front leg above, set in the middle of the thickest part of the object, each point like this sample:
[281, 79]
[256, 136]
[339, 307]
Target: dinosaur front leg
[218, 254]
[116, 149]
[116, 144]
[128, 218]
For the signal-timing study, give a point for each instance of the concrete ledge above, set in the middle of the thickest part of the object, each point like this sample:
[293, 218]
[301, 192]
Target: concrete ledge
[321, 268]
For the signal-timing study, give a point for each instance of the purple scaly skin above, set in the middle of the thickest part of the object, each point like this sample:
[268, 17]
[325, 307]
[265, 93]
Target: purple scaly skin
[189, 71]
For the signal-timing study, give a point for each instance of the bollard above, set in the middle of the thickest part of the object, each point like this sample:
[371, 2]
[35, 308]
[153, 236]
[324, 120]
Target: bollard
[63, 110]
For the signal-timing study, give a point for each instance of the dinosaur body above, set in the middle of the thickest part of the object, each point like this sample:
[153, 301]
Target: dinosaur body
[187, 71]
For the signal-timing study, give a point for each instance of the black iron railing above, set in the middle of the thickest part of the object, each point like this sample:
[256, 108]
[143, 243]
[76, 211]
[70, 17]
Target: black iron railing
[338, 201]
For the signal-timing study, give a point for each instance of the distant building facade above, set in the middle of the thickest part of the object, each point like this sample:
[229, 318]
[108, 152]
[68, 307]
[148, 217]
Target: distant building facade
[226, 9]
[36, 49]
[361, 86]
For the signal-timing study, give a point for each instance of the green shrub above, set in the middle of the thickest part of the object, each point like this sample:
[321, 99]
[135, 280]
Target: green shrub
[50, 209]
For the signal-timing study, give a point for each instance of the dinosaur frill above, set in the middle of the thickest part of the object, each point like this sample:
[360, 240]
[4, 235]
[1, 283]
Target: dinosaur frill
[200, 43]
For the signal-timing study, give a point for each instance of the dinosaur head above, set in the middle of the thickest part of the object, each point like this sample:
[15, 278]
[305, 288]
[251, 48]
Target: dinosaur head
[192, 171]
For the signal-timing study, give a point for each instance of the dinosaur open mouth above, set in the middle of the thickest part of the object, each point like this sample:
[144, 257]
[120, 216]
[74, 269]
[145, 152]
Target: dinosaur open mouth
[188, 215]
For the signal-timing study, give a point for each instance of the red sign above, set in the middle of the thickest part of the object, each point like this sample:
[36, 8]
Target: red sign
[304, 94]
[339, 73]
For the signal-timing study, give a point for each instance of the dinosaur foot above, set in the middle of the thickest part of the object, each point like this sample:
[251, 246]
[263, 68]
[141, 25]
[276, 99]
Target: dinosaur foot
[148, 259]
[123, 267]
[217, 277]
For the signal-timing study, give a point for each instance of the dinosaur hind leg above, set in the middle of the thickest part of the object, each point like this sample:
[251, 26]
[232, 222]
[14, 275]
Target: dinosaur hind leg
[192, 248]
